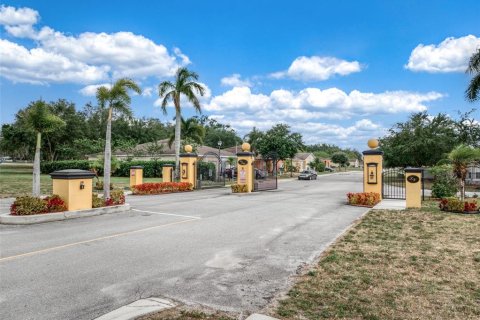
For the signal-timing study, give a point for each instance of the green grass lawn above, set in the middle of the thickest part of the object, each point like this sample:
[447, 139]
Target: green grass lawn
[16, 180]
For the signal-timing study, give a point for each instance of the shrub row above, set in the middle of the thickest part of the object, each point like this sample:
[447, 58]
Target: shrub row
[27, 205]
[453, 204]
[161, 187]
[151, 168]
[363, 198]
[47, 167]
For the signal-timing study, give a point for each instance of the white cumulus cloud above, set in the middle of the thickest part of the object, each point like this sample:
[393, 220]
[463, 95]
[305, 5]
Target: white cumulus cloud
[317, 68]
[90, 56]
[235, 80]
[451, 55]
[91, 89]
[38, 66]
[22, 16]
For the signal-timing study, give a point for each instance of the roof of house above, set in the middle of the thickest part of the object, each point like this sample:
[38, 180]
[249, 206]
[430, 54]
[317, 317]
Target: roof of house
[201, 150]
[302, 155]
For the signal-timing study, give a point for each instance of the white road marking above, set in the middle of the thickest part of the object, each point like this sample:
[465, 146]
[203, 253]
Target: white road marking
[167, 214]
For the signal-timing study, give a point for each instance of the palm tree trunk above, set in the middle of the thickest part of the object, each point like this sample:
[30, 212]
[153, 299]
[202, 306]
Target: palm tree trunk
[462, 189]
[107, 157]
[178, 124]
[36, 167]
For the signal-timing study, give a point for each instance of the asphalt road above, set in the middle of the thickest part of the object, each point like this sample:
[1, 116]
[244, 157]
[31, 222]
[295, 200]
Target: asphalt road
[231, 252]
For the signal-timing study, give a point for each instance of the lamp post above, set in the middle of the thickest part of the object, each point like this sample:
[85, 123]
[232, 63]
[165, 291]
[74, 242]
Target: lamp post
[219, 143]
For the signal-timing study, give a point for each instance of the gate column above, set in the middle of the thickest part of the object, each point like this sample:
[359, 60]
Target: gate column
[413, 187]
[188, 163]
[245, 167]
[372, 168]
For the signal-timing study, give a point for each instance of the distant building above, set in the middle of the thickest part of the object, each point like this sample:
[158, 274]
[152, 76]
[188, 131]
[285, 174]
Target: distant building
[302, 160]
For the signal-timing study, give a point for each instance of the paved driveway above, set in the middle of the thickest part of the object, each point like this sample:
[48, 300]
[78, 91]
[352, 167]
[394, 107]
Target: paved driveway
[232, 252]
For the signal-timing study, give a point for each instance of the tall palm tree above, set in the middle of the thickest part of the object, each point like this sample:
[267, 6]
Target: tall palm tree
[473, 90]
[191, 132]
[40, 119]
[461, 157]
[184, 84]
[116, 99]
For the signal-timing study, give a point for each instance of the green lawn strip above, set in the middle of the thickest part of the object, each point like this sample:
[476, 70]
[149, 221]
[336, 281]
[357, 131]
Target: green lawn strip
[417, 264]
[16, 180]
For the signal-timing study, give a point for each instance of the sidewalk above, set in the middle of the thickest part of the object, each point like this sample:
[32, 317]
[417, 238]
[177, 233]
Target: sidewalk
[391, 204]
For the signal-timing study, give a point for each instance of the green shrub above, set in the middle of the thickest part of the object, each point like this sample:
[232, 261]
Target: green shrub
[27, 205]
[99, 185]
[97, 201]
[207, 170]
[452, 204]
[117, 197]
[151, 168]
[239, 188]
[47, 167]
[444, 182]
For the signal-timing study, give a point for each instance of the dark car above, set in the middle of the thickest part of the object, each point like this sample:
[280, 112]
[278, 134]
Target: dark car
[307, 175]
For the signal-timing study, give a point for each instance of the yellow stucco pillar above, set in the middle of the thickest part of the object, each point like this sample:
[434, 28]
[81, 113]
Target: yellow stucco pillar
[74, 187]
[136, 175]
[167, 173]
[245, 171]
[413, 187]
[372, 168]
[188, 166]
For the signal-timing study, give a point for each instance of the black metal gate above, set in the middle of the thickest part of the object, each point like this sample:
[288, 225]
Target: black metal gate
[393, 183]
[210, 173]
[265, 172]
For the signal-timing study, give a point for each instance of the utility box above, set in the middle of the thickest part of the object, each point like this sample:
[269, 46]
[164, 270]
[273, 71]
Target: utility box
[74, 186]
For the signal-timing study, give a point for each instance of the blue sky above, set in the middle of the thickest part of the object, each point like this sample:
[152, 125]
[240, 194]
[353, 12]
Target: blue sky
[336, 72]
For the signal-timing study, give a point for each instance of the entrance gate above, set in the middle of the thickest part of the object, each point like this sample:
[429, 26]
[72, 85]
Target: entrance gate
[265, 172]
[393, 186]
[210, 171]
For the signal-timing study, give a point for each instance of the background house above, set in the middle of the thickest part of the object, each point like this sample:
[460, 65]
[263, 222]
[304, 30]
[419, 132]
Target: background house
[301, 160]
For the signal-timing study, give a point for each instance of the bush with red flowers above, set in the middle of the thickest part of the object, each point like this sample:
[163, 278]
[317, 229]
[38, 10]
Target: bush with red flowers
[368, 199]
[456, 205]
[117, 197]
[161, 187]
[27, 205]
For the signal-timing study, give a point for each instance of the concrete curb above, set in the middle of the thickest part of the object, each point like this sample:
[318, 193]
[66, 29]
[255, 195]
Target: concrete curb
[6, 218]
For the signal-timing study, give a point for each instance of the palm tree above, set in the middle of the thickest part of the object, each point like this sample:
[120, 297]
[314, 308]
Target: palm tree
[473, 91]
[184, 84]
[40, 119]
[116, 99]
[191, 132]
[461, 157]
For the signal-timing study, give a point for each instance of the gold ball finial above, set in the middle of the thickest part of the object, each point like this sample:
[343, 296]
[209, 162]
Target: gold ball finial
[188, 148]
[373, 143]
[246, 147]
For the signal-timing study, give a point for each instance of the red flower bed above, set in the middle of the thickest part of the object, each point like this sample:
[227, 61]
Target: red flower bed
[27, 205]
[161, 187]
[456, 205]
[117, 197]
[368, 199]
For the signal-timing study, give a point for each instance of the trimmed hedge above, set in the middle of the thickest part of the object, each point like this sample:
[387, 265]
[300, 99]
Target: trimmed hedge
[47, 167]
[151, 168]
[363, 198]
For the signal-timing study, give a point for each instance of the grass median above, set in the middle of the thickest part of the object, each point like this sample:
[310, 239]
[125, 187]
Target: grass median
[415, 264]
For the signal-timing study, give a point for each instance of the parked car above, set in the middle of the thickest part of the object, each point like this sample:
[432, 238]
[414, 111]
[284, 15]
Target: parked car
[328, 169]
[307, 175]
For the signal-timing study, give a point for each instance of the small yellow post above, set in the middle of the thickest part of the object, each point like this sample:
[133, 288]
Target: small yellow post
[413, 187]
[136, 175]
[245, 167]
[188, 166]
[74, 187]
[167, 173]
[372, 168]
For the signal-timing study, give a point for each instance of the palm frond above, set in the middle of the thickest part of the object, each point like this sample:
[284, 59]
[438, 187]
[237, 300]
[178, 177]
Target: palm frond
[473, 91]
[474, 63]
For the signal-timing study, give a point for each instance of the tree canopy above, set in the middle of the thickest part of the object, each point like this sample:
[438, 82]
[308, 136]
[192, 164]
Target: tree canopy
[281, 140]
